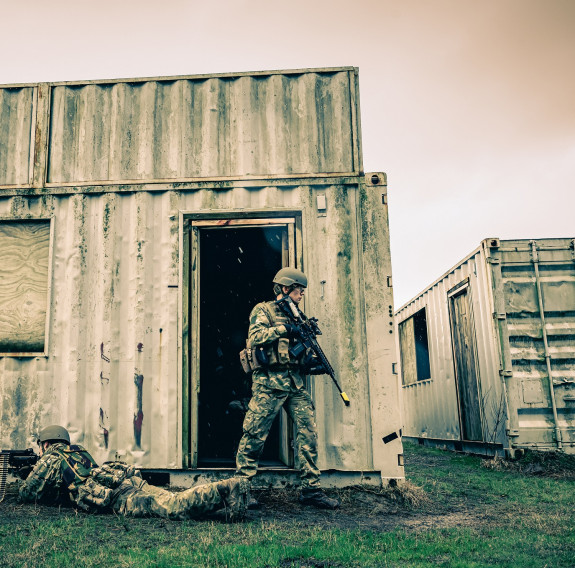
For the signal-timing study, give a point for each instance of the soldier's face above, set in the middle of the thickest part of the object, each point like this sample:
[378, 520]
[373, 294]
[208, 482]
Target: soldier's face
[297, 294]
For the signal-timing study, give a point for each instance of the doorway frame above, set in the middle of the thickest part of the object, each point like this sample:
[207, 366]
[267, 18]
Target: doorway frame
[464, 288]
[189, 312]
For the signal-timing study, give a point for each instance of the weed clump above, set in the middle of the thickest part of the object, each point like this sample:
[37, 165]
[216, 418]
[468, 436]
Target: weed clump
[556, 465]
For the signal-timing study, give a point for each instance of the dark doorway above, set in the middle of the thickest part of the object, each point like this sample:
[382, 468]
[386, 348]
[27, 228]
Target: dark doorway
[236, 268]
[464, 353]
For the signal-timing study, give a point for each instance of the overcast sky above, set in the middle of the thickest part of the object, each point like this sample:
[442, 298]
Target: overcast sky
[468, 106]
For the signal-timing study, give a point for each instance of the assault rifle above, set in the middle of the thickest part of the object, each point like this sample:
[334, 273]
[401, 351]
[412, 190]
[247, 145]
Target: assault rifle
[308, 330]
[19, 461]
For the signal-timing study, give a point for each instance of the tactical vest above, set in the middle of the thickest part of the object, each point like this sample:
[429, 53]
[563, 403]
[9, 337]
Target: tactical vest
[91, 487]
[278, 353]
[76, 464]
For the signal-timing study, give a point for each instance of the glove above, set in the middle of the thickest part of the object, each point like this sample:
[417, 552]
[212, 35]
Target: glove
[291, 330]
[317, 369]
[24, 472]
[313, 366]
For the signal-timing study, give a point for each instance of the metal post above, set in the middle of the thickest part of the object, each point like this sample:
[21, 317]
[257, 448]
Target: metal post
[535, 260]
[508, 381]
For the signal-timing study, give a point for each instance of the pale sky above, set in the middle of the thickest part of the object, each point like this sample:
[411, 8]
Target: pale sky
[468, 106]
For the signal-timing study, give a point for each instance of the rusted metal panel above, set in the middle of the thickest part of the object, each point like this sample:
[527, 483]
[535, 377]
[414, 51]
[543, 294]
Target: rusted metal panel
[114, 373]
[523, 315]
[120, 168]
[279, 124]
[538, 282]
[16, 122]
[432, 407]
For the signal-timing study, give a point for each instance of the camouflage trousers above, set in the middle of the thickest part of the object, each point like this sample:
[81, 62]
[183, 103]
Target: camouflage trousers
[136, 498]
[263, 408]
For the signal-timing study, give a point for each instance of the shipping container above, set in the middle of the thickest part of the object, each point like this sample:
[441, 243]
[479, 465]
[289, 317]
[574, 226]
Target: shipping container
[487, 352]
[142, 219]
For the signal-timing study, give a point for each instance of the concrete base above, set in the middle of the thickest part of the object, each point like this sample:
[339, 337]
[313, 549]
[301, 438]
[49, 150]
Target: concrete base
[277, 478]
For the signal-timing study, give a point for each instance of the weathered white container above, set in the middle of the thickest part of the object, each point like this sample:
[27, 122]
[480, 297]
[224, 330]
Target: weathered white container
[141, 219]
[488, 353]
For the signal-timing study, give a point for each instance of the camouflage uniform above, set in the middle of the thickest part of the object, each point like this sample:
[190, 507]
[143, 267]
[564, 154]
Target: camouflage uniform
[280, 384]
[115, 486]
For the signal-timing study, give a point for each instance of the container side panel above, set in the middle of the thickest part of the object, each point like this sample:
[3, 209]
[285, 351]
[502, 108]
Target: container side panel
[113, 371]
[264, 125]
[111, 376]
[16, 119]
[542, 342]
[432, 408]
[376, 273]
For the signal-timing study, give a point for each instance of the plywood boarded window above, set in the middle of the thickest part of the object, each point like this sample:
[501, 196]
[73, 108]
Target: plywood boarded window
[24, 256]
[414, 348]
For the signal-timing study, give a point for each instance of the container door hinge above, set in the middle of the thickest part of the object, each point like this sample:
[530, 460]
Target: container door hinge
[512, 433]
[505, 373]
[499, 315]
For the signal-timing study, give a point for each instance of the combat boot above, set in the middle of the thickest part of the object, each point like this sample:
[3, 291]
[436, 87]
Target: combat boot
[253, 503]
[317, 498]
[234, 493]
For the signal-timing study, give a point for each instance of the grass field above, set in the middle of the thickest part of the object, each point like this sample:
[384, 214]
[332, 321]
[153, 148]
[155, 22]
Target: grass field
[456, 511]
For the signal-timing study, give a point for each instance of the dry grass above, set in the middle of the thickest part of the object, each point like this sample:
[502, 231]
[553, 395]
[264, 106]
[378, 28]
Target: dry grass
[555, 465]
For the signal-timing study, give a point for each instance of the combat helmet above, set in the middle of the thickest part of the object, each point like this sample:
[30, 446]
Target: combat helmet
[289, 276]
[54, 433]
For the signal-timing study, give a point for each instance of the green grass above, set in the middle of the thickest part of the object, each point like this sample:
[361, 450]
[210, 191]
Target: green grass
[499, 518]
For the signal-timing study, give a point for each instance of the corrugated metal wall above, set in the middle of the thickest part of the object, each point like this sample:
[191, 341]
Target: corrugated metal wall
[431, 407]
[16, 120]
[523, 303]
[537, 281]
[113, 371]
[114, 260]
[117, 352]
[202, 128]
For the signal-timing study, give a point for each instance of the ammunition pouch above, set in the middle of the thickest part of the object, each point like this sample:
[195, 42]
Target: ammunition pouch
[112, 474]
[253, 358]
[92, 495]
[98, 489]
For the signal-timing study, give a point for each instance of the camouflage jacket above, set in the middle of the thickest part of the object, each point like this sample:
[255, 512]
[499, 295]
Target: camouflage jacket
[70, 471]
[267, 329]
[58, 473]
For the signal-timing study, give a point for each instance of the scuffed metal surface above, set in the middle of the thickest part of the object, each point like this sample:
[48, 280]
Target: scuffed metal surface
[430, 407]
[117, 166]
[113, 263]
[531, 393]
[264, 125]
[16, 120]
[113, 371]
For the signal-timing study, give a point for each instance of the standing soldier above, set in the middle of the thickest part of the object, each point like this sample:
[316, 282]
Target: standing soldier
[280, 383]
[69, 471]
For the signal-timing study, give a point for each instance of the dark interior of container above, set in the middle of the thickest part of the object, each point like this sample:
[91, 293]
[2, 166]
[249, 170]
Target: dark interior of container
[237, 265]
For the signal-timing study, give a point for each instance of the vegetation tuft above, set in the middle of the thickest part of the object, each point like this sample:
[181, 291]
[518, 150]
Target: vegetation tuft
[557, 465]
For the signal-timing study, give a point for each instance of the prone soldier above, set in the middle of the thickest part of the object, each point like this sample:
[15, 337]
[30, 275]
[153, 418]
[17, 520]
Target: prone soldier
[69, 471]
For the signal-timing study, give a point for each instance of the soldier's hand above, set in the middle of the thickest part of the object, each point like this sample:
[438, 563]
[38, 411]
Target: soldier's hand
[291, 330]
[24, 472]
